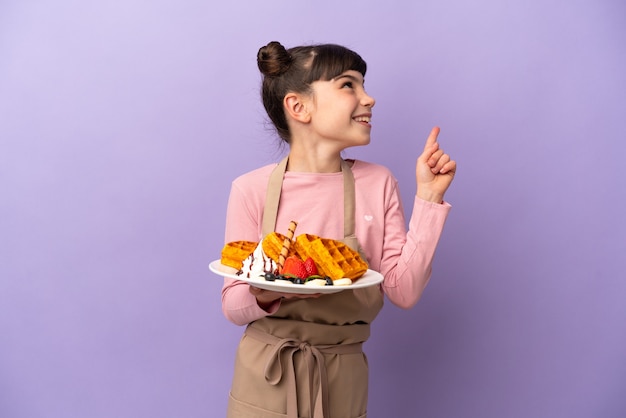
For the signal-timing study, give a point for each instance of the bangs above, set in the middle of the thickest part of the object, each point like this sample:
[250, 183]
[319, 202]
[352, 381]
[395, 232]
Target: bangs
[329, 61]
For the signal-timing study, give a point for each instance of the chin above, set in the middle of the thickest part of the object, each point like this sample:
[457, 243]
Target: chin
[356, 142]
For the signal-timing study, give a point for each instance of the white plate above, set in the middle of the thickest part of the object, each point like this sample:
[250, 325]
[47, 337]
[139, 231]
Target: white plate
[370, 278]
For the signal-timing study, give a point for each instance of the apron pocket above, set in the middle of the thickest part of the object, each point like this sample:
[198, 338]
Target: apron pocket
[239, 409]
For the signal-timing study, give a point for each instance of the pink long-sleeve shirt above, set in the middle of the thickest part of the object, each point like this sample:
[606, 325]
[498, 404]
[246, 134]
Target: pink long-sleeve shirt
[315, 201]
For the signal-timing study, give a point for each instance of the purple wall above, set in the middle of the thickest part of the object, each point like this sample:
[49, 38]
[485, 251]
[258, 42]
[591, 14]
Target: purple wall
[123, 122]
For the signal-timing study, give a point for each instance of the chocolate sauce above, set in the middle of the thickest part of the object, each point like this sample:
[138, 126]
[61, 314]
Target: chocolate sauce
[267, 266]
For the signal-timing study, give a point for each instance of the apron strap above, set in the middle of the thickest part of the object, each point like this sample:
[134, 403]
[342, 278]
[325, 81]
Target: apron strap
[272, 198]
[283, 349]
[349, 205]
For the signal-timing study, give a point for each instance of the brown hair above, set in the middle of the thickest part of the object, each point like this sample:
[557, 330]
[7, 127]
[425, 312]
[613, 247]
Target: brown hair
[294, 69]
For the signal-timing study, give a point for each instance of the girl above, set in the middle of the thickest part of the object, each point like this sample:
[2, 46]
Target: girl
[301, 355]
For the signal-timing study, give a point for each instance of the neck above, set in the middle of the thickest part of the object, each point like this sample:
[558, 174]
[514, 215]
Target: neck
[313, 159]
[313, 165]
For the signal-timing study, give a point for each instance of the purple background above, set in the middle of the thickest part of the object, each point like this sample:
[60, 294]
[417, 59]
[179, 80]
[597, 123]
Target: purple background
[123, 122]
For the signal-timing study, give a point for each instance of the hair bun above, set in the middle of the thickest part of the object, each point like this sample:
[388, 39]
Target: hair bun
[273, 59]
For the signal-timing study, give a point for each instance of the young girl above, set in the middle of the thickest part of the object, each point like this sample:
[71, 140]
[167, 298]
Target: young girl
[301, 355]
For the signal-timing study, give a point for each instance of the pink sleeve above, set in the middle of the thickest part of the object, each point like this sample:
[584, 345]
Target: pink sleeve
[238, 304]
[407, 259]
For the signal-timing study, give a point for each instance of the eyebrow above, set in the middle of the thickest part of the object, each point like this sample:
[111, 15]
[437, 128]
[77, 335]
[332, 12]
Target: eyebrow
[349, 76]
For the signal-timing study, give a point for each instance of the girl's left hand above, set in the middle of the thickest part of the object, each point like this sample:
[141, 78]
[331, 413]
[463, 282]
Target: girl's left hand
[434, 171]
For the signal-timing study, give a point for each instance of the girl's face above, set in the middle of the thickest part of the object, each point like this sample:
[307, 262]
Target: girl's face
[342, 110]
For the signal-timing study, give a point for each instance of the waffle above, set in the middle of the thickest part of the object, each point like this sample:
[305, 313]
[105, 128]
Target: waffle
[333, 258]
[273, 245]
[235, 252]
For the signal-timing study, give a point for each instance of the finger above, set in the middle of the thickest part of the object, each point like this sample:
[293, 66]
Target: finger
[432, 138]
[434, 158]
[427, 154]
[449, 168]
[441, 162]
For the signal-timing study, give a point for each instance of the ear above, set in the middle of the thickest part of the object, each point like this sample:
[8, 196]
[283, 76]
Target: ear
[295, 107]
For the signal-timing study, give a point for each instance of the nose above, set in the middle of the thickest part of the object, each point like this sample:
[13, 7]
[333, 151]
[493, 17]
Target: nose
[367, 100]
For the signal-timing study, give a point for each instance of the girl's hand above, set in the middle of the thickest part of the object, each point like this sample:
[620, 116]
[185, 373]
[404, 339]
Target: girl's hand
[265, 298]
[434, 171]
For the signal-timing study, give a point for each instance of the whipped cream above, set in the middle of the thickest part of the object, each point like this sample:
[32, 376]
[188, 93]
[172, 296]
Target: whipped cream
[257, 264]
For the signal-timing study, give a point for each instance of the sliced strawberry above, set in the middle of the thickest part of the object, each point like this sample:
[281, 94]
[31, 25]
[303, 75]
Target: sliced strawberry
[288, 264]
[295, 267]
[311, 267]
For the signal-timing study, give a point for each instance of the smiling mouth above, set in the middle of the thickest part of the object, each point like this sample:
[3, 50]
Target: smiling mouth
[365, 119]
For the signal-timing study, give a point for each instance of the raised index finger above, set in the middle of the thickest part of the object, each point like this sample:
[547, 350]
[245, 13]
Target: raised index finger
[432, 138]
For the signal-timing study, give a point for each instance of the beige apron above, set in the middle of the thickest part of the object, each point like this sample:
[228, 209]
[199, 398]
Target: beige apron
[306, 360]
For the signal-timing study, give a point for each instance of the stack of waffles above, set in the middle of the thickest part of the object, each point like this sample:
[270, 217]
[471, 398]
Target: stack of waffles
[333, 258]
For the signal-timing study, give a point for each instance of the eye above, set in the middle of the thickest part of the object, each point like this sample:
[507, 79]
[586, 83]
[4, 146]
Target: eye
[347, 84]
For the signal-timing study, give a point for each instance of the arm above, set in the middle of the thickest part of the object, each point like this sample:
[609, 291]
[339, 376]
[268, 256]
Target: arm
[407, 258]
[407, 262]
[239, 305]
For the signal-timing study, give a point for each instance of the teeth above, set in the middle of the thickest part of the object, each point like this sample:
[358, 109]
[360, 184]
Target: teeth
[363, 119]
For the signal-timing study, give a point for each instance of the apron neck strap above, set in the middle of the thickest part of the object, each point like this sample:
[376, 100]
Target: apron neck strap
[349, 205]
[272, 198]
[274, 187]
